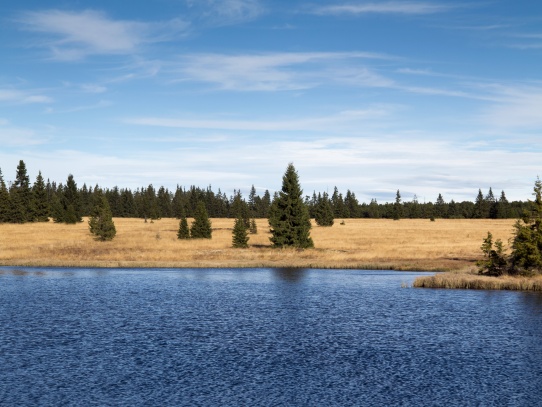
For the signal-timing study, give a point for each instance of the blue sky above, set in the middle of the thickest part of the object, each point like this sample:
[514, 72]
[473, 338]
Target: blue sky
[426, 97]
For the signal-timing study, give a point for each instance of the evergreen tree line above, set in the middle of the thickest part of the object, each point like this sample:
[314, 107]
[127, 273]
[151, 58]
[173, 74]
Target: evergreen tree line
[25, 201]
[347, 206]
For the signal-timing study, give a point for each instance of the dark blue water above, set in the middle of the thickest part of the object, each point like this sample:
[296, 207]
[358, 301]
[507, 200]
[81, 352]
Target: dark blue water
[262, 337]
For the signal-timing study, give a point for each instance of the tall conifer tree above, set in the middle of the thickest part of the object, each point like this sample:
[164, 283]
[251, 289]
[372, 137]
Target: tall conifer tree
[41, 202]
[22, 203]
[289, 216]
[239, 236]
[184, 231]
[201, 227]
[5, 204]
[101, 220]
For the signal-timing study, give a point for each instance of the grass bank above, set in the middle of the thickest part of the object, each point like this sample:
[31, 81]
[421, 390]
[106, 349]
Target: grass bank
[408, 244]
[477, 282]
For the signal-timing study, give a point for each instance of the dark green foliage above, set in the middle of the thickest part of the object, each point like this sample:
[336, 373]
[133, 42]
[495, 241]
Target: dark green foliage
[66, 206]
[481, 209]
[41, 201]
[165, 208]
[494, 262]
[397, 207]
[201, 227]
[72, 201]
[5, 202]
[289, 216]
[240, 208]
[101, 220]
[17, 211]
[239, 236]
[323, 213]
[184, 231]
[527, 244]
[21, 196]
[440, 208]
[502, 207]
[253, 229]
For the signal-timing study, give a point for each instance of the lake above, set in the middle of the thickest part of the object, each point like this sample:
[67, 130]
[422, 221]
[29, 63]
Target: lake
[206, 337]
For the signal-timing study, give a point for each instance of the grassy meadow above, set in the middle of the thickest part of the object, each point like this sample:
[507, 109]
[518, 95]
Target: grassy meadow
[408, 244]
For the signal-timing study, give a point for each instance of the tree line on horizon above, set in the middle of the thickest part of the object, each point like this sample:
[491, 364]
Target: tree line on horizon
[22, 201]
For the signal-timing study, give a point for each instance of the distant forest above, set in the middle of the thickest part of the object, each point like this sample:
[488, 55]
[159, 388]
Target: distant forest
[23, 201]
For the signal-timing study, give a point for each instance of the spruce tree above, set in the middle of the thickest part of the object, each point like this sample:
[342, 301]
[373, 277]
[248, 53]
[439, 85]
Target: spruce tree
[397, 207]
[480, 206]
[71, 202]
[253, 229]
[503, 207]
[239, 237]
[101, 220]
[289, 216]
[201, 226]
[17, 209]
[22, 203]
[184, 231]
[526, 255]
[41, 202]
[323, 214]
[57, 210]
[5, 203]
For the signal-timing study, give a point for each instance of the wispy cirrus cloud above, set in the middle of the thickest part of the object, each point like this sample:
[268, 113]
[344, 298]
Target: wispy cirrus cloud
[72, 35]
[15, 136]
[515, 107]
[268, 72]
[21, 97]
[303, 124]
[389, 7]
[226, 12]
[526, 41]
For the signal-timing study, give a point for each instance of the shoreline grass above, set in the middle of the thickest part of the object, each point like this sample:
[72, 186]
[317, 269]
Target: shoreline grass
[451, 245]
[479, 282]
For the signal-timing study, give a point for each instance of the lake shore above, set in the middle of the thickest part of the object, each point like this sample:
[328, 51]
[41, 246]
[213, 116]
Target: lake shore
[448, 246]
[471, 281]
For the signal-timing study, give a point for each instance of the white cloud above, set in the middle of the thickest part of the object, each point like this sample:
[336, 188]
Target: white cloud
[390, 7]
[99, 105]
[226, 12]
[516, 107]
[272, 71]
[93, 88]
[11, 136]
[314, 124]
[74, 35]
[20, 97]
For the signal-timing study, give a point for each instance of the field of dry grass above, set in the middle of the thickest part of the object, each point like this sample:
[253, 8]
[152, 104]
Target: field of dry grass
[452, 245]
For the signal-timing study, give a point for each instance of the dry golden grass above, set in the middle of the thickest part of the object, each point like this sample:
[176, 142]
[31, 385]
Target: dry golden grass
[477, 282]
[361, 243]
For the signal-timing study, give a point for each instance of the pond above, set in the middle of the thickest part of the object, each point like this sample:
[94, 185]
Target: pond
[294, 337]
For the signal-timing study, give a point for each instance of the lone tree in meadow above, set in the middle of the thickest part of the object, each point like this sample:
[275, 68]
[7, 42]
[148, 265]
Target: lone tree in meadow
[184, 231]
[101, 220]
[239, 236]
[289, 216]
[201, 227]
